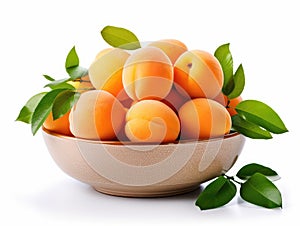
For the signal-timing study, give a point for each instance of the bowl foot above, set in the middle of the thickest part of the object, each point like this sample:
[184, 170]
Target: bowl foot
[147, 193]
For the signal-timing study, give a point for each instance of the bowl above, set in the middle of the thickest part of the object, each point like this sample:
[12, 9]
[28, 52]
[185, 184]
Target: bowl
[144, 170]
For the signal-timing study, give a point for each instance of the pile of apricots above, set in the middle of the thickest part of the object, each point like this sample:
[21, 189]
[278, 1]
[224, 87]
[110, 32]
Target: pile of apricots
[159, 93]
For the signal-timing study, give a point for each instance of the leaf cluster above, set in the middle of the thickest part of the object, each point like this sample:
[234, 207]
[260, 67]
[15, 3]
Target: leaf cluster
[255, 119]
[58, 100]
[256, 187]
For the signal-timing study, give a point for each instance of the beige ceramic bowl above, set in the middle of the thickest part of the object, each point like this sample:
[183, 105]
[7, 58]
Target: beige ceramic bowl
[143, 170]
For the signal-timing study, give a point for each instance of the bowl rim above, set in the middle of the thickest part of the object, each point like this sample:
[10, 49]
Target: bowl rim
[117, 142]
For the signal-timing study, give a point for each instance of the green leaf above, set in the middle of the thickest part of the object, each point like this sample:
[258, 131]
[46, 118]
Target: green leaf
[28, 109]
[77, 72]
[49, 78]
[72, 65]
[249, 129]
[72, 59]
[248, 170]
[60, 84]
[239, 83]
[262, 115]
[43, 109]
[260, 191]
[120, 37]
[64, 102]
[224, 56]
[216, 194]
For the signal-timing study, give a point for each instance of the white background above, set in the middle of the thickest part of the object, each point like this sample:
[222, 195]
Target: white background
[35, 37]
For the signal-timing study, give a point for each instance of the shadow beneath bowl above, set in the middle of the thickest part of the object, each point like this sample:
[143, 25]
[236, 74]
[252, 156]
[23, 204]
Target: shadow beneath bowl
[72, 199]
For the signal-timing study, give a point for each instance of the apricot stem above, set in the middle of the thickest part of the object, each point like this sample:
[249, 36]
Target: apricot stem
[227, 105]
[82, 80]
[85, 89]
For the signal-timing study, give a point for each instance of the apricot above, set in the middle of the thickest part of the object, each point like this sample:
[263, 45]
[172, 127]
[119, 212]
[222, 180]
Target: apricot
[172, 47]
[103, 52]
[221, 98]
[106, 71]
[121, 136]
[199, 73]
[203, 118]
[175, 99]
[229, 104]
[60, 125]
[148, 74]
[151, 121]
[232, 104]
[97, 115]
[127, 102]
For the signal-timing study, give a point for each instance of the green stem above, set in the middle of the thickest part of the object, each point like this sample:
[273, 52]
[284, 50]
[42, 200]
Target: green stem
[233, 179]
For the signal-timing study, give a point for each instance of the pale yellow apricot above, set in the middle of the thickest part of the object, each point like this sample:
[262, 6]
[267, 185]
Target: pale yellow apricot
[148, 74]
[106, 71]
[172, 47]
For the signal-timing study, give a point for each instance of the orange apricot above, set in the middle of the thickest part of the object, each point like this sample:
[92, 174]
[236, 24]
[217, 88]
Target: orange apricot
[151, 121]
[199, 73]
[106, 71]
[221, 98]
[203, 118]
[127, 102]
[60, 125]
[175, 99]
[229, 104]
[232, 104]
[172, 47]
[97, 115]
[148, 74]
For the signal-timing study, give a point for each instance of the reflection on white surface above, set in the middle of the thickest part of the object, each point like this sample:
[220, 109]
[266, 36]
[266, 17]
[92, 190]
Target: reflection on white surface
[75, 202]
